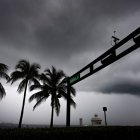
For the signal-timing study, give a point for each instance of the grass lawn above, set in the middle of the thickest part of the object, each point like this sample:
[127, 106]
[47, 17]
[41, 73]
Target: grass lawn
[79, 133]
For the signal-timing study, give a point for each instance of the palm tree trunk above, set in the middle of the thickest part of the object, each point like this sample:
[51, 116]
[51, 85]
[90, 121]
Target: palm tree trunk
[51, 124]
[23, 104]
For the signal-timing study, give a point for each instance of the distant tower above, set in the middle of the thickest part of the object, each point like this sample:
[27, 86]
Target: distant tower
[96, 121]
[81, 121]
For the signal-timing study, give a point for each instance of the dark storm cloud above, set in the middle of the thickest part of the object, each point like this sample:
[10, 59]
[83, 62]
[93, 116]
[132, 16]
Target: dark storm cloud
[123, 77]
[127, 86]
[59, 27]
[80, 23]
[15, 24]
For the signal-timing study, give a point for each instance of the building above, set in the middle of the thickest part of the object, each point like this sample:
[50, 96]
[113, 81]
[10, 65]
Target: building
[96, 121]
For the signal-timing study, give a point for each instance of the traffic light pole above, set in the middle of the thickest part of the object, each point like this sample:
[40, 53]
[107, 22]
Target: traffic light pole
[105, 59]
[68, 104]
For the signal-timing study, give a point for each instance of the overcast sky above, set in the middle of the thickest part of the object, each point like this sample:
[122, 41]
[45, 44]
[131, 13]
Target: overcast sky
[69, 34]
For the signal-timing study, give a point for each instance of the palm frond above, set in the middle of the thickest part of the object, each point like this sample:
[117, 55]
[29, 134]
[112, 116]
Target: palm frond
[3, 67]
[39, 102]
[44, 87]
[5, 76]
[59, 76]
[25, 70]
[21, 86]
[16, 75]
[53, 76]
[34, 81]
[46, 79]
[73, 91]
[2, 91]
[3, 71]
[54, 70]
[35, 66]
[34, 70]
[57, 106]
[34, 87]
[47, 87]
[47, 72]
[43, 77]
[72, 103]
[63, 93]
[38, 95]
[64, 81]
[23, 65]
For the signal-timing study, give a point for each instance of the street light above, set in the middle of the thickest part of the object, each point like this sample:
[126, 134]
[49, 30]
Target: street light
[105, 109]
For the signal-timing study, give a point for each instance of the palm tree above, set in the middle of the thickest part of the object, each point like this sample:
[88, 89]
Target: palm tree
[3, 74]
[28, 73]
[54, 85]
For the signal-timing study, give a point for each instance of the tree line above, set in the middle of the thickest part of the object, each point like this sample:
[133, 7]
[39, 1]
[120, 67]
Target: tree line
[51, 83]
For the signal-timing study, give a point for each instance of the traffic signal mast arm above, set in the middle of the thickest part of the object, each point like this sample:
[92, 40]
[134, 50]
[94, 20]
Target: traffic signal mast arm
[108, 57]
